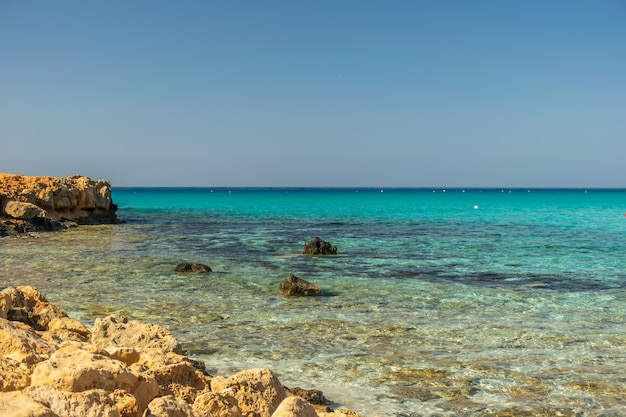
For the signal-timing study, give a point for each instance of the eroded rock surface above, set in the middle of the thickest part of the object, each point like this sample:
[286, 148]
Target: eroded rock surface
[53, 366]
[40, 203]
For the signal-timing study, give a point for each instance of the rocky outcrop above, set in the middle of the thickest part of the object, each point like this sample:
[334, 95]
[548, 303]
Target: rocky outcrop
[51, 203]
[294, 286]
[317, 246]
[53, 366]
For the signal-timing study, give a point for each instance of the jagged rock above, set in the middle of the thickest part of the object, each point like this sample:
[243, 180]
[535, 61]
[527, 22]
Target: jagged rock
[170, 406]
[15, 375]
[21, 343]
[118, 368]
[181, 380]
[257, 391]
[23, 211]
[217, 404]
[317, 246]
[74, 369]
[294, 407]
[128, 355]
[65, 329]
[90, 403]
[18, 404]
[294, 286]
[50, 203]
[189, 268]
[125, 403]
[27, 305]
[116, 330]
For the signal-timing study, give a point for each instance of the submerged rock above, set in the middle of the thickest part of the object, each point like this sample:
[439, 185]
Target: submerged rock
[189, 268]
[317, 246]
[294, 286]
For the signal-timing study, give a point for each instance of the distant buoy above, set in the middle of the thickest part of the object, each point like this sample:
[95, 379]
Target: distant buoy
[476, 208]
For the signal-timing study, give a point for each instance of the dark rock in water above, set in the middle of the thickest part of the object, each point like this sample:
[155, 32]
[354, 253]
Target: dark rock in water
[292, 285]
[317, 246]
[314, 396]
[189, 268]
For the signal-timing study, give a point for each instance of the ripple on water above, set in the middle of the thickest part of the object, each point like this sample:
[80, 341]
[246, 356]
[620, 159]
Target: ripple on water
[411, 323]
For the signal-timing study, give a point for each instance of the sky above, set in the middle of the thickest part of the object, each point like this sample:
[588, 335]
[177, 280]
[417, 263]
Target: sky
[419, 93]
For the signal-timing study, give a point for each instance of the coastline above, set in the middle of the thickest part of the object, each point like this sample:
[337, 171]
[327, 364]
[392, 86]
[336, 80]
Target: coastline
[52, 365]
[44, 203]
[473, 336]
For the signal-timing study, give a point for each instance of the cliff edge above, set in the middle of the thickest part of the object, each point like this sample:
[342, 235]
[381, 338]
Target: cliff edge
[41, 203]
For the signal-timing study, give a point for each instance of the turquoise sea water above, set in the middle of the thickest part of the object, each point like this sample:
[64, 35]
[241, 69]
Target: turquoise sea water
[455, 302]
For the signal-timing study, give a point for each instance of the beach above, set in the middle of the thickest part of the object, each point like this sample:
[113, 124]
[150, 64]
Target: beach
[468, 302]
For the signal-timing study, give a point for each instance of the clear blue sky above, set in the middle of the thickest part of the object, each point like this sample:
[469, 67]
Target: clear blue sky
[316, 93]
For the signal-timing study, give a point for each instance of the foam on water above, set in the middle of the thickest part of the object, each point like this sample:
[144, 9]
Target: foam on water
[432, 307]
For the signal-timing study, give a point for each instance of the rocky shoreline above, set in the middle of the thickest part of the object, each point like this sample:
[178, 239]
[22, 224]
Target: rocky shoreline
[40, 203]
[54, 366]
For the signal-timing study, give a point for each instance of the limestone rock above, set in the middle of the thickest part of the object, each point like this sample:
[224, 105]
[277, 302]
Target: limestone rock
[181, 380]
[74, 369]
[14, 375]
[317, 246]
[71, 325]
[169, 406]
[128, 355]
[23, 211]
[257, 391]
[116, 330]
[48, 203]
[125, 403]
[294, 407]
[20, 343]
[152, 358]
[65, 329]
[292, 285]
[188, 268]
[6, 302]
[29, 306]
[217, 404]
[18, 404]
[90, 403]
[120, 368]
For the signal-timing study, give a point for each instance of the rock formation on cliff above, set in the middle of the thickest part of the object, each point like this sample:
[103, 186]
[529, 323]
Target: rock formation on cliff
[53, 366]
[51, 203]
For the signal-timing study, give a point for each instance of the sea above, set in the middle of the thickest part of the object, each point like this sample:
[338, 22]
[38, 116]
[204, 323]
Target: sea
[439, 302]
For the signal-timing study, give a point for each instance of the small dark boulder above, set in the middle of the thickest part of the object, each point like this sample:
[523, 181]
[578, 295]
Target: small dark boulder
[292, 285]
[317, 246]
[188, 268]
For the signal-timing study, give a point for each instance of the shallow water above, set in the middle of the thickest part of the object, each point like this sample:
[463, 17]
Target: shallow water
[464, 302]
